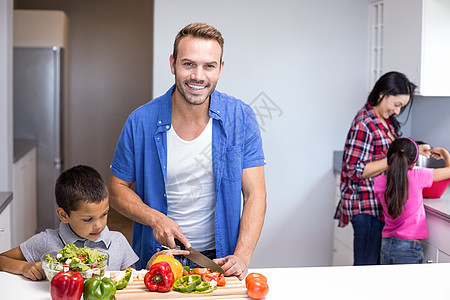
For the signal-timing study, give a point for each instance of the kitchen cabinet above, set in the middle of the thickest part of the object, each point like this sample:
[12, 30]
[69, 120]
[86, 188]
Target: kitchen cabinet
[416, 41]
[443, 257]
[5, 225]
[24, 206]
[343, 237]
[430, 253]
[437, 246]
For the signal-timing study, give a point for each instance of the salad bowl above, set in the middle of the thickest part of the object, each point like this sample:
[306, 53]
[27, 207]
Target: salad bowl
[87, 262]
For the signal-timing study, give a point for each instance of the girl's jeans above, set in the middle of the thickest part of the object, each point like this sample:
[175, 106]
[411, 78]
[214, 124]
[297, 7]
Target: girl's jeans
[400, 251]
[366, 239]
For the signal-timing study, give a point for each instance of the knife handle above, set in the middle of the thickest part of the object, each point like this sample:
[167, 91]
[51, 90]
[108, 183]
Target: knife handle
[178, 243]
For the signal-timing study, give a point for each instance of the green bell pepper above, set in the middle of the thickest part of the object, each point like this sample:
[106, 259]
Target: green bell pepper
[187, 284]
[97, 288]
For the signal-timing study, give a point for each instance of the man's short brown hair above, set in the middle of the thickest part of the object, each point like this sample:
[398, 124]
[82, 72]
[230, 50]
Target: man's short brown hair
[198, 30]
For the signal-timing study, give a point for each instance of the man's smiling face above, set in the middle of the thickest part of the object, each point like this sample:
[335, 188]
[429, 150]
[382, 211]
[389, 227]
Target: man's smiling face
[197, 69]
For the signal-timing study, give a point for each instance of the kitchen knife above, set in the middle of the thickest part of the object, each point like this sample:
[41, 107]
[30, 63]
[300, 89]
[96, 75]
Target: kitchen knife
[199, 258]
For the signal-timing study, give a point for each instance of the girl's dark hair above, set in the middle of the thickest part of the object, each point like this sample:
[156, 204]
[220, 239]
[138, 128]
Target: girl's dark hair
[401, 155]
[393, 84]
[80, 183]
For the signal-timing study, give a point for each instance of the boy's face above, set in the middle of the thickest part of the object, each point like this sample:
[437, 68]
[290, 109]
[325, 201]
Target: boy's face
[89, 220]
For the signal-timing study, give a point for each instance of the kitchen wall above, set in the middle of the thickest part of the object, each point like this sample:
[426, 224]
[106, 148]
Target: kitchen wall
[111, 48]
[303, 66]
[431, 121]
[6, 87]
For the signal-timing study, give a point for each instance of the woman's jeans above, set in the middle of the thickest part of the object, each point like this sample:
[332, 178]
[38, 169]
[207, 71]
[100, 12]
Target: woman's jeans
[400, 251]
[366, 239]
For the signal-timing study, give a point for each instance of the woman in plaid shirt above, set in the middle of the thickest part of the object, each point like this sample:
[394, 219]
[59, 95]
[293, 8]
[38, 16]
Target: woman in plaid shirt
[372, 131]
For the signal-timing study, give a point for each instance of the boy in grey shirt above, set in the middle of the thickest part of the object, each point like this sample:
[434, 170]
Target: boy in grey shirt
[83, 205]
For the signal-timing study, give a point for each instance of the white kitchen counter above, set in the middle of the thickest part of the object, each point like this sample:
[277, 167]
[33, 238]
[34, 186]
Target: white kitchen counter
[426, 281]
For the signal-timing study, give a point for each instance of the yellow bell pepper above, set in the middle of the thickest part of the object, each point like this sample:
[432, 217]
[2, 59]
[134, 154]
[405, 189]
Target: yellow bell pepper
[175, 265]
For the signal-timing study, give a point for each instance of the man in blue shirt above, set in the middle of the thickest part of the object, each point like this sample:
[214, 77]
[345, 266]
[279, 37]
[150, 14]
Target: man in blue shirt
[193, 153]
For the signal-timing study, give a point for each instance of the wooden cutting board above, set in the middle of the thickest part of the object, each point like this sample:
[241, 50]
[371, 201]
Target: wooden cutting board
[137, 290]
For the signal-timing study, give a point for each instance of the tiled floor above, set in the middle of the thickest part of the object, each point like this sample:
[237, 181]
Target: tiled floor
[117, 222]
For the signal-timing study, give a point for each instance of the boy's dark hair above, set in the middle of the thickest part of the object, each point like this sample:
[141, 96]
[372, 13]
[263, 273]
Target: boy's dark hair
[80, 183]
[401, 155]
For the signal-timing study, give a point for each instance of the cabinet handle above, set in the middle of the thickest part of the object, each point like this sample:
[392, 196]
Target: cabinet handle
[2, 230]
[429, 261]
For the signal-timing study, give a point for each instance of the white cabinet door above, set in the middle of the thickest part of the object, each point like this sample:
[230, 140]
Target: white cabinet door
[430, 253]
[439, 229]
[24, 210]
[443, 257]
[416, 41]
[5, 229]
[343, 237]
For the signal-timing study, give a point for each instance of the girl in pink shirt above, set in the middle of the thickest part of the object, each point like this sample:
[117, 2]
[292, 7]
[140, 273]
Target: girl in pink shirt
[399, 192]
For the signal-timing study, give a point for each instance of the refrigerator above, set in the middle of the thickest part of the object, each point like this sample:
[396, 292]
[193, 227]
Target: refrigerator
[38, 107]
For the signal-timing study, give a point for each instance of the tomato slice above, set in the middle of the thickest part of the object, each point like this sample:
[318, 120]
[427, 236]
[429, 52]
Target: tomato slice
[209, 276]
[201, 271]
[222, 281]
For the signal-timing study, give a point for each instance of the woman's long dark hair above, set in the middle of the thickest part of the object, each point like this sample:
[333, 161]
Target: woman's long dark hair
[392, 84]
[401, 155]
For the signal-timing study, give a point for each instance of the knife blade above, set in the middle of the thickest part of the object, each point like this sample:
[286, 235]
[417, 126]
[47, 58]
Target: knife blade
[199, 258]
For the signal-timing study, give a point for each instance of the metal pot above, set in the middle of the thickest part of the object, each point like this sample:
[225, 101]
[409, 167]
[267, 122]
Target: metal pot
[424, 162]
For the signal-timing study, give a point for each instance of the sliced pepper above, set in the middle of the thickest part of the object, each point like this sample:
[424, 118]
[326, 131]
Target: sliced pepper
[122, 283]
[159, 277]
[203, 286]
[207, 291]
[187, 284]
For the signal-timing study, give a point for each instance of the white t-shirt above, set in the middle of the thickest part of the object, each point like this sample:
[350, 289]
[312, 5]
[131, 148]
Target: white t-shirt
[190, 187]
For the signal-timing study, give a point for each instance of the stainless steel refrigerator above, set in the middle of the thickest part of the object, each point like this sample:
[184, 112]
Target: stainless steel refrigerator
[38, 114]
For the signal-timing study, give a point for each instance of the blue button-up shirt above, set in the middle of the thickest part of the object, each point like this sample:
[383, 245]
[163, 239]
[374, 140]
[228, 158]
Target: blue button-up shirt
[141, 157]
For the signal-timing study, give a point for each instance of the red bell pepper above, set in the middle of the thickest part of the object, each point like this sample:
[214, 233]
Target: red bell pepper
[159, 277]
[66, 286]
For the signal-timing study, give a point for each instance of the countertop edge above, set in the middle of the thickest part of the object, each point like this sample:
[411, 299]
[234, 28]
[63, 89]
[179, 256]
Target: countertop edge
[5, 199]
[438, 213]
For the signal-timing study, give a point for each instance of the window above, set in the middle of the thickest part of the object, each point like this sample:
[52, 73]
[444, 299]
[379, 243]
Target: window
[376, 41]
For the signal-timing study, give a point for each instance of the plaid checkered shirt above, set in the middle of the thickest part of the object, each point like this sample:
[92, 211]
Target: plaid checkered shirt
[367, 141]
